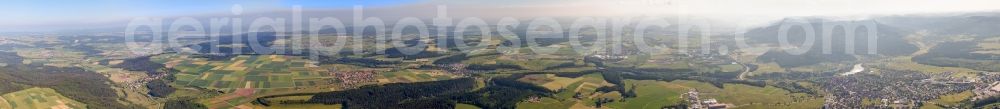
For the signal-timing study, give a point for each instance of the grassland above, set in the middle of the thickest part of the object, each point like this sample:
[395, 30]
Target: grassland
[38, 98]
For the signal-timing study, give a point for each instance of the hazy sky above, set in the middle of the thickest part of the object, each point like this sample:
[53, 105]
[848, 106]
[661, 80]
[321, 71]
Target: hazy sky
[28, 15]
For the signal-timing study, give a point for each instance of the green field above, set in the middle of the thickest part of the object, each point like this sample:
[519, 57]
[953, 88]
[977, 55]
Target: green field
[650, 95]
[656, 94]
[465, 106]
[38, 98]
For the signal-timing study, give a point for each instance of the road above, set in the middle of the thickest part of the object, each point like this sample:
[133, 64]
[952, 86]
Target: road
[746, 70]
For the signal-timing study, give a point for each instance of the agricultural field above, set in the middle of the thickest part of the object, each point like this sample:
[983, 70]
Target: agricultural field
[989, 46]
[465, 106]
[764, 68]
[38, 98]
[57, 57]
[656, 94]
[535, 64]
[276, 104]
[567, 88]
[820, 67]
[291, 106]
[243, 78]
[246, 71]
[651, 94]
[411, 75]
[553, 82]
[905, 63]
[116, 50]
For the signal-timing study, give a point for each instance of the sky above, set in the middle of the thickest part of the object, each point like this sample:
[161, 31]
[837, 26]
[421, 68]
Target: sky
[34, 15]
[43, 13]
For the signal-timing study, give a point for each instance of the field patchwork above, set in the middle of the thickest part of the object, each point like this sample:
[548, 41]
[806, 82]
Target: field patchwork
[38, 98]
[247, 71]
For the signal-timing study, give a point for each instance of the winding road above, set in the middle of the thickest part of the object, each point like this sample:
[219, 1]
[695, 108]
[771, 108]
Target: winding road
[746, 70]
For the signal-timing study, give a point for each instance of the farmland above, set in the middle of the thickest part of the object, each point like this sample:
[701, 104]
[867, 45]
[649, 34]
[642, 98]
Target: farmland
[411, 75]
[243, 78]
[567, 88]
[656, 94]
[38, 98]
[246, 71]
[608, 58]
[51, 57]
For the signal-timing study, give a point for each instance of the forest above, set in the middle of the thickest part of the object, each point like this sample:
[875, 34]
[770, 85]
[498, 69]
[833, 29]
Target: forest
[140, 64]
[366, 62]
[959, 54]
[76, 83]
[395, 95]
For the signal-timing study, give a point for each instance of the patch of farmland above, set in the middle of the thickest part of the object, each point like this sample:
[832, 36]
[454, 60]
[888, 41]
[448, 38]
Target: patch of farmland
[248, 71]
[38, 98]
[411, 75]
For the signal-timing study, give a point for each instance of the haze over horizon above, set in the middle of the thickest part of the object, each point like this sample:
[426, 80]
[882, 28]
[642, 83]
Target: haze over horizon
[500, 54]
[24, 16]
